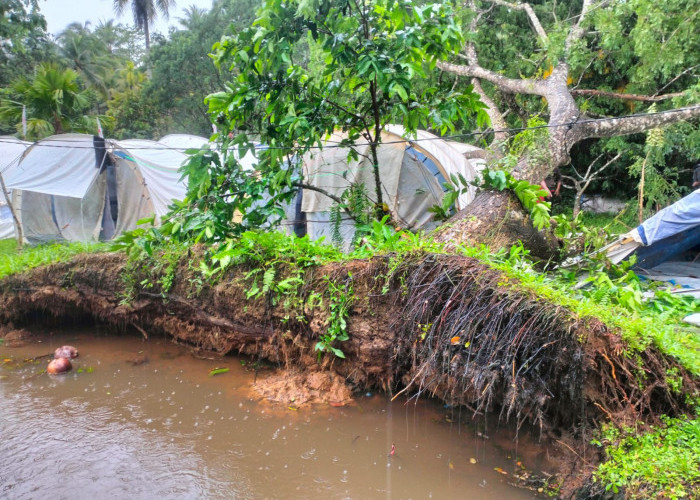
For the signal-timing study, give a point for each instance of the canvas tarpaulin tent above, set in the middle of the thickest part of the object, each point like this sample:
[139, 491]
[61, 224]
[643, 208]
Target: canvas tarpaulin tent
[57, 190]
[182, 142]
[80, 187]
[666, 246]
[11, 150]
[7, 224]
[413, 172]
[148, 180]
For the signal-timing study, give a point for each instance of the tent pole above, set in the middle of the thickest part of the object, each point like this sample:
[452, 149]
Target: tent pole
[20, 233]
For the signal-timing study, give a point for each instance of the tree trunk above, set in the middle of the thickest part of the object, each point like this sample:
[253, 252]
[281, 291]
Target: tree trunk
[57, 126]
[10, 204]
[148, 38]
[479, 225]
[577, 203]
[497, 219]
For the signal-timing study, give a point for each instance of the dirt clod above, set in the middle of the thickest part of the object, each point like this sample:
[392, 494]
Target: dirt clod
[291, 387]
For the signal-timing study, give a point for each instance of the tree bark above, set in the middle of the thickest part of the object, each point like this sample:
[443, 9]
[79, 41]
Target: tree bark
[148, 38]
[497, 219]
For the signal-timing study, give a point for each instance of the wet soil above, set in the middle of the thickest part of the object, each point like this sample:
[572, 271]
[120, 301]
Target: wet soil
[439, 326]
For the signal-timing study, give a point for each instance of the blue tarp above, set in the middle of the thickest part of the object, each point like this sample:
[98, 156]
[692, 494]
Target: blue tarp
[674, 219]
[673, 230]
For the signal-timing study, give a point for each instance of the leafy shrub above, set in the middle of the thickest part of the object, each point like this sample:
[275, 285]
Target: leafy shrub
[662, 462]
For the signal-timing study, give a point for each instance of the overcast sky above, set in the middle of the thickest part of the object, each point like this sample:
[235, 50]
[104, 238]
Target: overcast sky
[60, 13]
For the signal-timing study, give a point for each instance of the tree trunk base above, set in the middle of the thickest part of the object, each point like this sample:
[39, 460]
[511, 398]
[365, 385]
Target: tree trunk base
[497, 219]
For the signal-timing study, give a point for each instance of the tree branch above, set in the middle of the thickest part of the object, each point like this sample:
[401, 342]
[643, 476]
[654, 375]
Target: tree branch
[628, 97]
[687, 70]
[333, 197]
[530, 13]
[498, 123]
[607, 164]
[624, 125]
[576, 31]
[512, 85]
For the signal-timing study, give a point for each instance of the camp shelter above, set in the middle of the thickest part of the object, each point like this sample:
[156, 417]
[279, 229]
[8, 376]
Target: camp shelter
[183, 142]
[79, 187]
[11, 150]
[474, 155]
[57, 190]
[413, 172]
[148, 180]
[667, 245]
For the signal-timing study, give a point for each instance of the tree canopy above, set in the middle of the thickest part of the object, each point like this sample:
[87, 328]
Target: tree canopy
[375, 56]
[23, 38]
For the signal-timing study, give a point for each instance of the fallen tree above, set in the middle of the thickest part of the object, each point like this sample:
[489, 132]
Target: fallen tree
[573, 50]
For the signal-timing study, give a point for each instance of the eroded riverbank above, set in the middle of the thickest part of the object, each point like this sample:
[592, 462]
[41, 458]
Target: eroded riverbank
[445, 326]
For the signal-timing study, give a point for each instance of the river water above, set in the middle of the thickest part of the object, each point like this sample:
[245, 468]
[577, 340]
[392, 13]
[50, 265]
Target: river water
[118, 427]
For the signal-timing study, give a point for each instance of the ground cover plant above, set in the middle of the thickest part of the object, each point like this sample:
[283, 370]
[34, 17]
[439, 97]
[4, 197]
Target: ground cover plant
[661, 461]
[13, 261]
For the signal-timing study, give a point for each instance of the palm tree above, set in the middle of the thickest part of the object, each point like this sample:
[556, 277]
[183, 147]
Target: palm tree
[86, 54]
[145, 12]
[109, 34]
[193, 17]
[54, 101]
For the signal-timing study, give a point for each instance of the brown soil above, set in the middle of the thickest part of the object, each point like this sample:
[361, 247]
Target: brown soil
[294, 388]
[14, 338]
[443, 326]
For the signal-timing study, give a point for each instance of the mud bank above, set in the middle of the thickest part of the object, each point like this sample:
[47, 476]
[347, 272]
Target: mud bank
[444, 326]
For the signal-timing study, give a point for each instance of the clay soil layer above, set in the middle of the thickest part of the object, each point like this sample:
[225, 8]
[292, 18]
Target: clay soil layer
[438, 325]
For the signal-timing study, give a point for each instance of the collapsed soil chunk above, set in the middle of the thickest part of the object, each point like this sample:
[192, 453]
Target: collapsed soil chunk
[297, 389]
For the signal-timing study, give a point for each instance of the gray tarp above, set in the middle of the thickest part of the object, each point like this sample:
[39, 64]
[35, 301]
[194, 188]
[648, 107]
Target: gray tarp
[674, 219]
[60, 191]
[682, 215]
[11, 150]
[412, 173]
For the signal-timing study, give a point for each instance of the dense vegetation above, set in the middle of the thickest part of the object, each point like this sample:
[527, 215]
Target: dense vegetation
[304, 69]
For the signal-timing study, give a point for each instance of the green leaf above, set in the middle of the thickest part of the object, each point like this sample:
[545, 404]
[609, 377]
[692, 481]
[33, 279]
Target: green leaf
[218, 371]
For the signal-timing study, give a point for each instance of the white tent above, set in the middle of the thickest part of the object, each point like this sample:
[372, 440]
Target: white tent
[148, 177]
[472, 153]
[413, 172]
[11, 150]
[7, 225]
[80, 187]
[182, 142]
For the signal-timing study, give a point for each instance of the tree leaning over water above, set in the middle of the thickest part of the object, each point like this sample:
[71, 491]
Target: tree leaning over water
[145, 12]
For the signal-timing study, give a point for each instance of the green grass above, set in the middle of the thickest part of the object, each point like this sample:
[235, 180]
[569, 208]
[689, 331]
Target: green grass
[8, 247]
[13, 261]
[663, 462]
[612, 222]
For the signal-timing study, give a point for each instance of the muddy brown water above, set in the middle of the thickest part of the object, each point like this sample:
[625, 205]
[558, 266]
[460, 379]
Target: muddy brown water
[166, 429]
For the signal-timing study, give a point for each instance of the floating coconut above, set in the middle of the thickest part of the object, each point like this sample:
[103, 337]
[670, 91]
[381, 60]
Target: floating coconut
[67, 351]
[59, 365]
